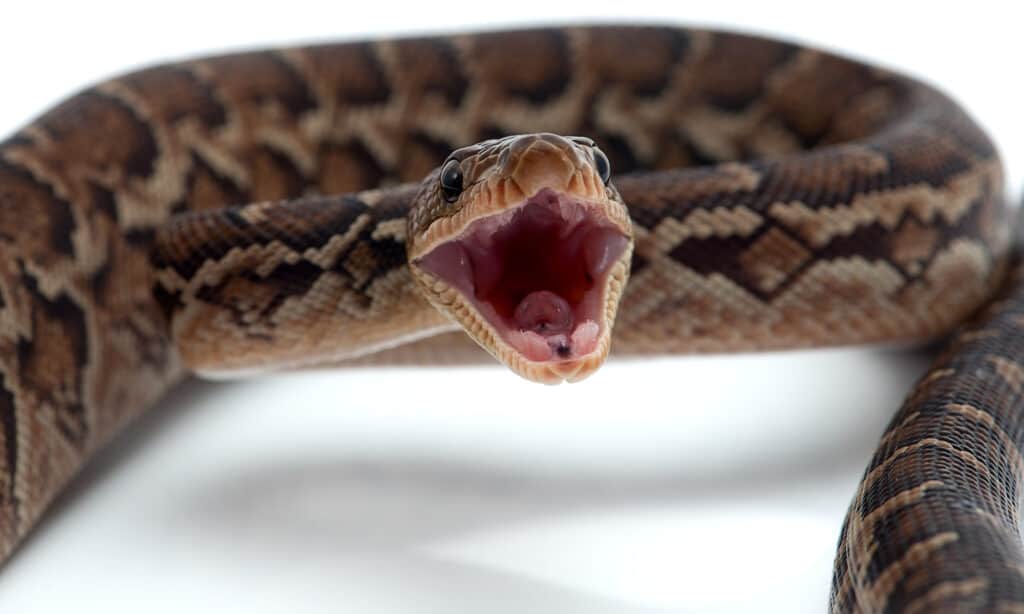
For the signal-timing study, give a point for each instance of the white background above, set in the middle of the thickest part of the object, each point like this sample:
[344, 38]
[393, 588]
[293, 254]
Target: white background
[673, 485]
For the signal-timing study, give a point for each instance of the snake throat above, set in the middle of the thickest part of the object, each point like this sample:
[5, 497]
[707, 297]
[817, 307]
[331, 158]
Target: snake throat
[536, 273]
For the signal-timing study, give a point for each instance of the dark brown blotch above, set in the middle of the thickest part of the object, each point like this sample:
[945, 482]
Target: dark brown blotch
[641, 59]
[734, 72]
[9, 454]
[33, 217]
[430, 67]
[207, 189]
[127, 142]
[274, 175]
[52, 361]
[533, 65]
[348, 167]
[258, 78]
[924, 155]
[814, 91]
[174, 93]
[247, 297]
[352, 72]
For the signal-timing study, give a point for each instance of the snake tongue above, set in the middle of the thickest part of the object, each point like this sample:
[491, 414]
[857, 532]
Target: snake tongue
[544, 312]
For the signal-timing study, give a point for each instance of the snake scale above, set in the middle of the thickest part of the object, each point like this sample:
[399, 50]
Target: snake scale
[262, 210]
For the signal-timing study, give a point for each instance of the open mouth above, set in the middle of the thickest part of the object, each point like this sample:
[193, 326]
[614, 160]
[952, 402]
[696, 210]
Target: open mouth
[536, 273]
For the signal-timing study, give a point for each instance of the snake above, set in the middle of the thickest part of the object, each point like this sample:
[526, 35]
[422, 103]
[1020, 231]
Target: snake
[525, 192]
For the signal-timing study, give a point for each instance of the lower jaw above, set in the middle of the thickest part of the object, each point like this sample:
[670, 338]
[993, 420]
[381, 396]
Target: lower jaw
[557, 372]
[574, 340]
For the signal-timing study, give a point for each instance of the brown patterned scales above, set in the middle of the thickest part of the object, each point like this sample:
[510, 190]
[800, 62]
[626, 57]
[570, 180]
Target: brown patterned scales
[764, 196]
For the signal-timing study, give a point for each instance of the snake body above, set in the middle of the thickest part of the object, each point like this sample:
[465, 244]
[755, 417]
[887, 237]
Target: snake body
[780, 197]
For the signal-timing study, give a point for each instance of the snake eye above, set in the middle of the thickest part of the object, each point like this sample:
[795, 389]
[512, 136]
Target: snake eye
[451, 180]
[603, 166]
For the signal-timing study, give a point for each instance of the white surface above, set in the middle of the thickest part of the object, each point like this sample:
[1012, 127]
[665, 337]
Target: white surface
[719, 487]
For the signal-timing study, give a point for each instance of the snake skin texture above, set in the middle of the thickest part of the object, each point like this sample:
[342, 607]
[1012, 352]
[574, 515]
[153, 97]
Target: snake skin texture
[935, 524]
[781, 197]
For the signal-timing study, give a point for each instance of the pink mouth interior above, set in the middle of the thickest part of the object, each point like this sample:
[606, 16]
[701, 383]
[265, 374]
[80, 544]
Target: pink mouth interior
[536, 273]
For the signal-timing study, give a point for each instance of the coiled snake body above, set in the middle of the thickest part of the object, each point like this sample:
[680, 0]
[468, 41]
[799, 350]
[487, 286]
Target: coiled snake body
[778, 197]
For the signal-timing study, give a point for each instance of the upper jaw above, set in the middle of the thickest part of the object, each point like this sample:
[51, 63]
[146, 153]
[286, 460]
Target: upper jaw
[536, 284]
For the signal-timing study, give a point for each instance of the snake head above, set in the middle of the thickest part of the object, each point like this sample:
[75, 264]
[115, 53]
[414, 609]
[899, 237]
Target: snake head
[526, 244]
